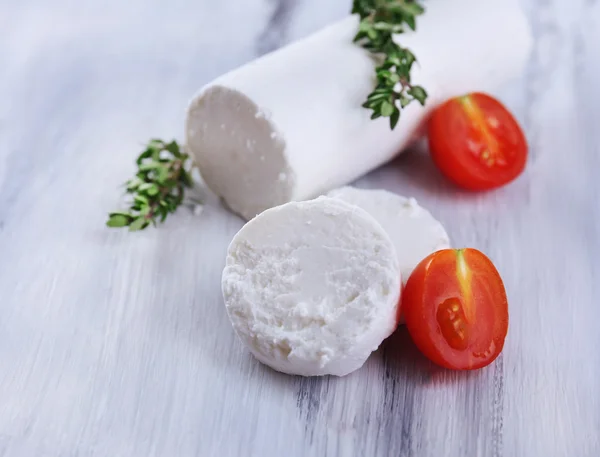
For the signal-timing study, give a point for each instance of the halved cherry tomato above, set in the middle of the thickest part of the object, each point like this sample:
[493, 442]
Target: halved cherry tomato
[456, 310]
[476, 142]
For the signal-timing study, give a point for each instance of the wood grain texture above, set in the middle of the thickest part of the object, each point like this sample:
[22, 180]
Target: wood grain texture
[113, 344]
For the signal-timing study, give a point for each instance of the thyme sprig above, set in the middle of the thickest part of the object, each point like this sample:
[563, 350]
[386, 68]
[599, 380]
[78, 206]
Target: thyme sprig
[157, 188]
[380, 20]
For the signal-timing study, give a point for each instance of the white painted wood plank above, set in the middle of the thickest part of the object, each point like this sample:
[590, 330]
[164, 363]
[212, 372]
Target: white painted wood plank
[117, 344]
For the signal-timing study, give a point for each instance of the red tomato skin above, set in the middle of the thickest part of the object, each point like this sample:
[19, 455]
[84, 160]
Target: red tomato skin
[476, 142]
[420, 312]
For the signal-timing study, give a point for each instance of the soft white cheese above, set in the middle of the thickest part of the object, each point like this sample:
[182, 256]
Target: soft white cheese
[290, 126]
[312, 288]
[413, 230]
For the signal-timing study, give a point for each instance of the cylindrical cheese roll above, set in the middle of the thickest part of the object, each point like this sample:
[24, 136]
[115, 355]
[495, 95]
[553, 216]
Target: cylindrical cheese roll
[312, 288]
[290, 126]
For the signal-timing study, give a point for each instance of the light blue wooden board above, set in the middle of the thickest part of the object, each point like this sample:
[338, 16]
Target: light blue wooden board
[114, 344]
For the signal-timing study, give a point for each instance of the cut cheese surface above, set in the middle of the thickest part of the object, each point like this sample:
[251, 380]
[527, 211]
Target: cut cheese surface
[312, 288]
[245, 164]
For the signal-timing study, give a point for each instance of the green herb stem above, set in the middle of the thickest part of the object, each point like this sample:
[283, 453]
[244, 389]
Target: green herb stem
[380, 20]
[158, 187]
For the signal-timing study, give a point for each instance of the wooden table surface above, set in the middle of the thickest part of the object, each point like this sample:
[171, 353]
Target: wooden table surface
[118, 344]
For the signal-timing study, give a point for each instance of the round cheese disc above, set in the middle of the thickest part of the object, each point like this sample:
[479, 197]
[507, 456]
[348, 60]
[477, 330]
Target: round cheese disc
[312, 288]
[413, 230]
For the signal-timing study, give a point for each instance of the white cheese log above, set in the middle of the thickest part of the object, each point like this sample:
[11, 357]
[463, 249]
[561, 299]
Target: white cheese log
[290, 126]
[312, 288]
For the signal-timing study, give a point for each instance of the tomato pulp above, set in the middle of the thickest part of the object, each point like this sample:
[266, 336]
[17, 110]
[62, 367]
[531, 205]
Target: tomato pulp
[476, 142]
[456, 309]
